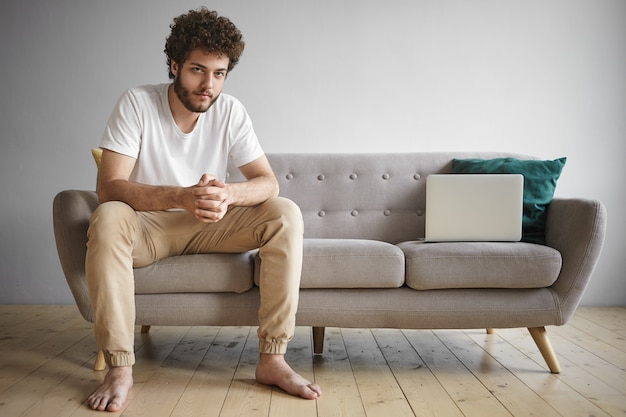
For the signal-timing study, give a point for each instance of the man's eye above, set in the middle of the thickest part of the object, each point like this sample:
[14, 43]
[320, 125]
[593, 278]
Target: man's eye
[197, 69]
[220, 74]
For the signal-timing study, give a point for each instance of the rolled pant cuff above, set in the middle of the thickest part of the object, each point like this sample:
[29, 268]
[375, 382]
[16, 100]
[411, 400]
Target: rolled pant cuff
[272, 347]
[115, 359]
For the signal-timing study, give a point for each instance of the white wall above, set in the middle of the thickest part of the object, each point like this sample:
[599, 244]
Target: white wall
[546, 78]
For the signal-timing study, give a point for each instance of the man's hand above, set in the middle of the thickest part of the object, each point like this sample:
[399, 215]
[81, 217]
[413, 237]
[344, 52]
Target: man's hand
[210, 199]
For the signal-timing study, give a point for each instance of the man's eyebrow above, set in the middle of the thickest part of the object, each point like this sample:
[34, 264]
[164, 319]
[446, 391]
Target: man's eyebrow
[195, 64]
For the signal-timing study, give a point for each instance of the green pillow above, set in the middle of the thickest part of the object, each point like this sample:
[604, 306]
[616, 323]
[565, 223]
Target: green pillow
[539, 183]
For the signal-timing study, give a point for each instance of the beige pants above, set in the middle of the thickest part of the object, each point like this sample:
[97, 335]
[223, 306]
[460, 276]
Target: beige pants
[121, 238]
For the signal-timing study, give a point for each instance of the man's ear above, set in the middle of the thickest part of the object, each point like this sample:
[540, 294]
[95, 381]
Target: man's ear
[174, 67]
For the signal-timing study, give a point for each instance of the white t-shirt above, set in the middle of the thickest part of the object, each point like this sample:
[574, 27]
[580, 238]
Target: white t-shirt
[142, 126]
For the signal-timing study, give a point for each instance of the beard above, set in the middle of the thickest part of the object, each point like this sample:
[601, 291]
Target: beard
[185, 96]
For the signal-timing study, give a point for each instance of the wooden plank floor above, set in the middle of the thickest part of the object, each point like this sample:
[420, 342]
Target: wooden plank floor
[46, 355]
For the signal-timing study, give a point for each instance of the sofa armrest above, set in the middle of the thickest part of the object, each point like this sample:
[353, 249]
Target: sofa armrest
[71, 211]
[576, 228]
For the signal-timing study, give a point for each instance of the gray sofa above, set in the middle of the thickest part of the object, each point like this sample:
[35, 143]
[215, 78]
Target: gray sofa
[364, 265]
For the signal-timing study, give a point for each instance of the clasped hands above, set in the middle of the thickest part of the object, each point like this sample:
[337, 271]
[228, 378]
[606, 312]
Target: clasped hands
[210, 199]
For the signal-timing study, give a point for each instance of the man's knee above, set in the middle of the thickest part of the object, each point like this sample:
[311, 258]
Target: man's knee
[111, 219]
[286, 211]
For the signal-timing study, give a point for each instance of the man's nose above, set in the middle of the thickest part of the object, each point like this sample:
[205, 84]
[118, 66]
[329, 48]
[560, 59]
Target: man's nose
[207, 82]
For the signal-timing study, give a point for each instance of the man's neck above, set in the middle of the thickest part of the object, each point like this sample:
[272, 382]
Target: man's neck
[184, 119]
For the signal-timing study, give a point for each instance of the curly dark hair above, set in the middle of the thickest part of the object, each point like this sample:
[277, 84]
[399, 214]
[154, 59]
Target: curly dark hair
[203, 29]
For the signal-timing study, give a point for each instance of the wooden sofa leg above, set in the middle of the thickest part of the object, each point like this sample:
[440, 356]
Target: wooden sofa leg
[540, 336]
[145, 329]
[100, 363]
[318, 339]
[490, 330]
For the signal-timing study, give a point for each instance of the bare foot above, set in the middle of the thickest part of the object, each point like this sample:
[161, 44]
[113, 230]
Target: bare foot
[111, 395]
[273, 370]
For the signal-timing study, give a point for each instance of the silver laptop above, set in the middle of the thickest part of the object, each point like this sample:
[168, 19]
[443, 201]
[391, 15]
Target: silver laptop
[474, 207]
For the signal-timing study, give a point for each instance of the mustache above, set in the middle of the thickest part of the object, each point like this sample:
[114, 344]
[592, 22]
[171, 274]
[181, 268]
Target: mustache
[204, 92]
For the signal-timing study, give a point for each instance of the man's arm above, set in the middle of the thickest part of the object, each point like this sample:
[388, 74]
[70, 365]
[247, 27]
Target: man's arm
[213, 197]
[208, 200]
[113, 185]
[261, 184]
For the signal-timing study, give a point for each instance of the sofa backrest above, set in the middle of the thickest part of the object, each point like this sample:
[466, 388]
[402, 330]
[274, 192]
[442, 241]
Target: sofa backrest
[378, 196]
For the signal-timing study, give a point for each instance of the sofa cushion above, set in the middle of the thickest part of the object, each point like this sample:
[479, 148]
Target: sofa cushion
[480, 265]
[218, 272]
[539, 184]
[350, 263]
[97, 156]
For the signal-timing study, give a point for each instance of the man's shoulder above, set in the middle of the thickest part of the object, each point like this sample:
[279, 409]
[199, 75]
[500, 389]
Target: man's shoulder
[147, 90]
[145, 98]
[227, 99]
[228, 103]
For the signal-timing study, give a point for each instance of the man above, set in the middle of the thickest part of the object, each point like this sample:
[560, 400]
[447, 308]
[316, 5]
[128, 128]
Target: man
[161, 192]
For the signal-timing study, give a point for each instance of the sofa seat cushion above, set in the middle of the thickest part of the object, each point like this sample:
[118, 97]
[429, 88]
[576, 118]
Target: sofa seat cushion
[480, 265]
[350, 263]
[218, 272]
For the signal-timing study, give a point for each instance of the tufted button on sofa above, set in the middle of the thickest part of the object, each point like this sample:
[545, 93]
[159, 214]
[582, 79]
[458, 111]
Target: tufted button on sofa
[364, 264]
